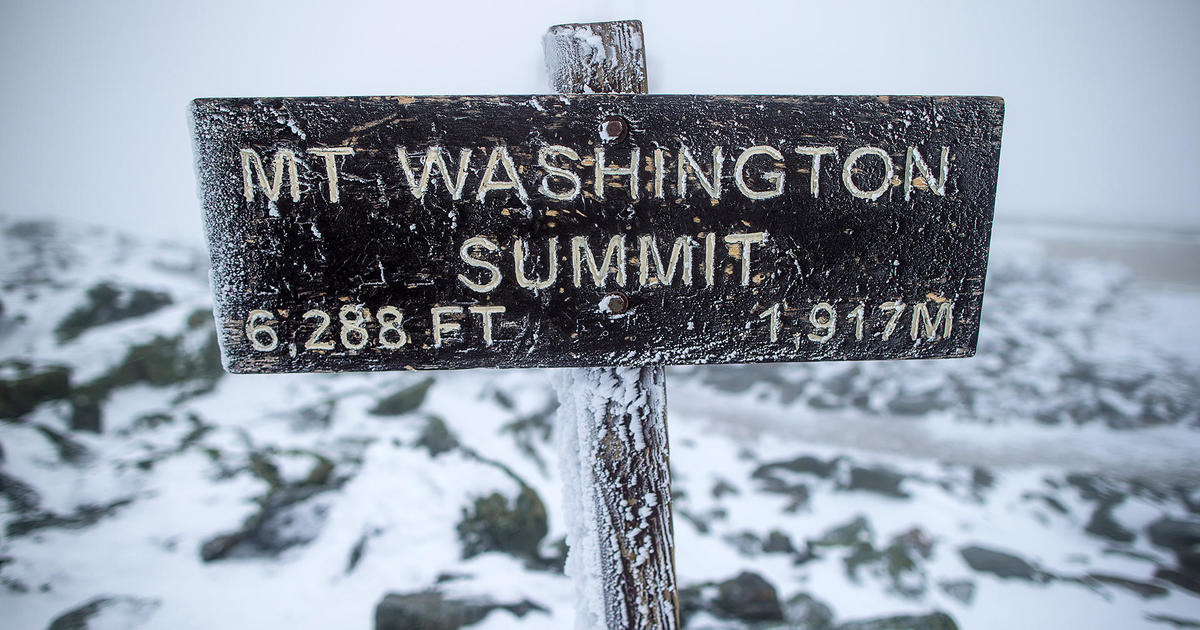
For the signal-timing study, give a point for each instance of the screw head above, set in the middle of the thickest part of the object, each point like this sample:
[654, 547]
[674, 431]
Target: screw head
[614, 303]
[614, 129]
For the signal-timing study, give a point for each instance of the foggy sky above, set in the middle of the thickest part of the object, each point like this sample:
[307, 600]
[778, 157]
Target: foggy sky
[1101, 120]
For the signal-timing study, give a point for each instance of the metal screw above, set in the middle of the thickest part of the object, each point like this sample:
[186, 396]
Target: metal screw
[614, 303]
[614, 129]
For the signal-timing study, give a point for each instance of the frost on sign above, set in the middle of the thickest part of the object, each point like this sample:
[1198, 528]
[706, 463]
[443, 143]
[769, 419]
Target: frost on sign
[444, 232]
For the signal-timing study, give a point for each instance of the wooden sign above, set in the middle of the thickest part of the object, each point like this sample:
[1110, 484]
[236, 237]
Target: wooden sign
[390, 233]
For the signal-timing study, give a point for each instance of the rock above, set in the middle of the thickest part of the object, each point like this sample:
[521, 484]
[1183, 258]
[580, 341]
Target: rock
[861, 554]
[1105, 525]
[748, 597]
[903, 563]
[1184, 580]
[492, 525]
[879, 480]
[20, 395]
[436, 437]
[356, 553]
[691, 601]
[107, 612]
[1001, 564]
[982, 479]
[86, 414]
[162, 362]
[321, 472]
[219, 546]
[22, 497]
[778, 542]
[961, 590]
[106, 304]
[900, 564]
[747, 543]
[1189, 559]
[723, 488]
[404, 401]
[775, 485]
[807, 613]
[69, 450]
[430, 610]
[1143, 589]
[1178, 622]
[849, 534]
[1047, 500]
[282, 529]
[805, 465]
[287, 519]
[931, 621]
[260, 465]
[1174, 534]
[1093, 487]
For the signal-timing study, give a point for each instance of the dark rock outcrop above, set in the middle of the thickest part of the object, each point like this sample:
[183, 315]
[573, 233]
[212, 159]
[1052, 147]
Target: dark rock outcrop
[31, 387]
[1001, 564]
[407, 400]
[494, 524]
[748, 597]
[106, 304]
[109, 612]
[931, 621]
[431, 610]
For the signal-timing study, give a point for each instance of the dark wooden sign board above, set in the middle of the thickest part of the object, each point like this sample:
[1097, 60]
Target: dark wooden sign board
[387, 233]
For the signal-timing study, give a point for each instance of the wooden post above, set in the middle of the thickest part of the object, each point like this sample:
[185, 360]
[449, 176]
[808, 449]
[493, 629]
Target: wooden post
[612, 423]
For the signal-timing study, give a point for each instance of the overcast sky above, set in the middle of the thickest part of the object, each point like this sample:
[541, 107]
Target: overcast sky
[1101, 121]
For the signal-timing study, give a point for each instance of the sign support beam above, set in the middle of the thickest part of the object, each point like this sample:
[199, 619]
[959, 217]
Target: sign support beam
[612, 423]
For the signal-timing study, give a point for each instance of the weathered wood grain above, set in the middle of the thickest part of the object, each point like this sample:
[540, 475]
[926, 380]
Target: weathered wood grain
[612, 421]
[617, 486]
[596, 57]
[378, 245]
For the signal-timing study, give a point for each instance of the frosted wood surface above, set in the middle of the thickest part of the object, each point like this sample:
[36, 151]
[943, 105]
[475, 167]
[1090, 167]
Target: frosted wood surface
[612, 422]
[596, 57]
[381, 245]
[617, 490]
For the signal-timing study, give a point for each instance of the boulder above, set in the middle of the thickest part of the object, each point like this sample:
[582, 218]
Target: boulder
[879, 480]
[1105, 525]
[1144, 590]
[778, 542]
[1174, 534]
[431, 610]
[493, 524]
[846, 535]
[961, 590]
[805, 612]
[931, 621]
[287, 519]
[30, 388]
[436, 437]
[84, 515]
[804, 464]
[106, 303]
[1182, 579]
[406, 400]
[748, 597]
[107, 612]
[1001, 564]
[22, 497]
[86, 414]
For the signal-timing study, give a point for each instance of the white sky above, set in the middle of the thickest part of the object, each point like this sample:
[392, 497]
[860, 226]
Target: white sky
[1101, 120]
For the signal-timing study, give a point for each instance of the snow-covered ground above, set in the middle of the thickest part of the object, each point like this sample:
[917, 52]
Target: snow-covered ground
[1049, 482]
